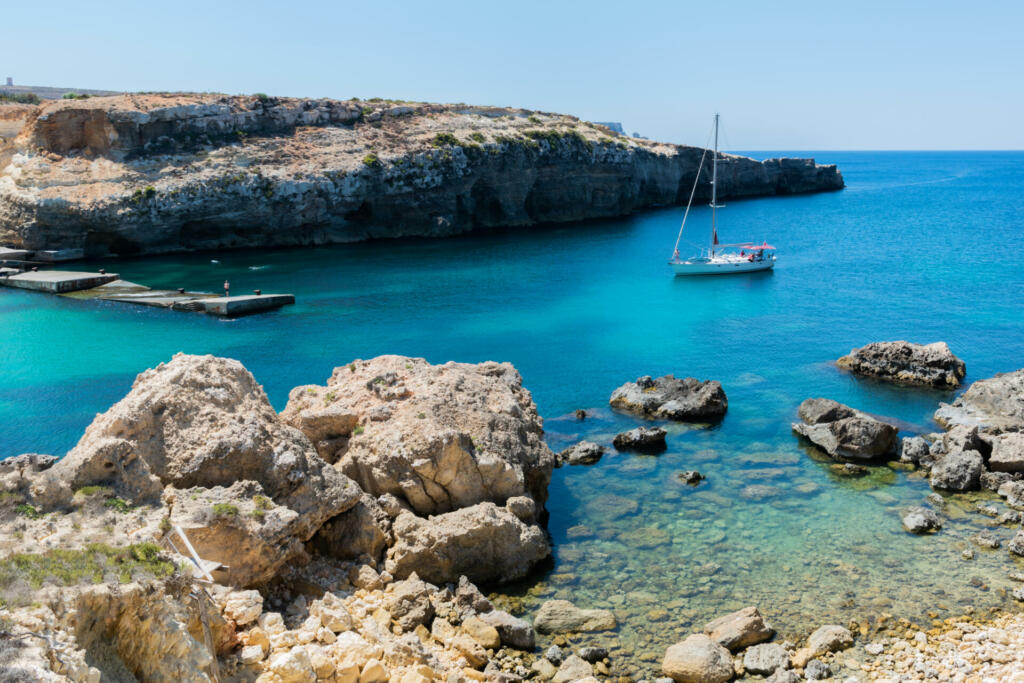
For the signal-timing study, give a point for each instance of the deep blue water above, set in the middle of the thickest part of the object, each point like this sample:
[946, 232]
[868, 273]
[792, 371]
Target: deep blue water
[920, 246]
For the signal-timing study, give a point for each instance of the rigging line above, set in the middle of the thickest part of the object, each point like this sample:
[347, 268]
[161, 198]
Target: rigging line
[693, 191]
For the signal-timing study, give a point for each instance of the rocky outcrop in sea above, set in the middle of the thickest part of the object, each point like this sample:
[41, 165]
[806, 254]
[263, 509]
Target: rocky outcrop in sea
[149, 173]
[932, 365]
[844, 432]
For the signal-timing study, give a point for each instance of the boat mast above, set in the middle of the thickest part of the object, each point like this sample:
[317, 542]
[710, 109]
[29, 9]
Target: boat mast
[714, 191]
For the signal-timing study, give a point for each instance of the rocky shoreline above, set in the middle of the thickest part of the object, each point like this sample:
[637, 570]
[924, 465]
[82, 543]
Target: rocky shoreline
[346, 536]
[156, 173]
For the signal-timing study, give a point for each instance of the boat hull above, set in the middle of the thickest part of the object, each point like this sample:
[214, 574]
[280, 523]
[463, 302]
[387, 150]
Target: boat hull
[720, 268]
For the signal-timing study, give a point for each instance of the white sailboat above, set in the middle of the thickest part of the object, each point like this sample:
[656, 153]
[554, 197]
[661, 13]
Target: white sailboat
[719, 259]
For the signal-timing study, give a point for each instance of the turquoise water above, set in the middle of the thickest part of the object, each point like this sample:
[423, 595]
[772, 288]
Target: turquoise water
[920, 246]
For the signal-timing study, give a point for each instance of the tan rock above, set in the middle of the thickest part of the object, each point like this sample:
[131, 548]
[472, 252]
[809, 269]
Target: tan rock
[573, 669]
[257, 636]
[252, 654]
[698, 659]
[482, 633]
[243, 607]
[374, 672]
[739, 629]
[331, 612]
[322, 663]
[293, 666]
[441, 437]
[347, 674]
[475, 655]
[560, 616]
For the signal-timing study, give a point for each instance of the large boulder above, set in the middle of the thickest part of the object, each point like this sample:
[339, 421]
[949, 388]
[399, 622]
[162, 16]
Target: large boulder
[641, 440]
[932, 365]
[1007, 453]
[365, 529]
[957, 471]
[441, 437]
[698, 659]
[667, 398]
[739, 629]
[484, 542]
[561, 616]
[993, 405]
[843, 432]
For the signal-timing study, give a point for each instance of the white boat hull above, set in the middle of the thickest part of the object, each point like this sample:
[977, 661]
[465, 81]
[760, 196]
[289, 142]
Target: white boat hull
[718, 266]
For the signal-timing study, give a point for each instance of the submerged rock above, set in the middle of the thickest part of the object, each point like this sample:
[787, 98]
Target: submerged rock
[691, 477]
[582, 453]
[921, 520]
[668, 398]
[843, 432]
[698, 659]
[561, 616]
[931, 365]
[994, 405]
[642, 440]
[848, 469]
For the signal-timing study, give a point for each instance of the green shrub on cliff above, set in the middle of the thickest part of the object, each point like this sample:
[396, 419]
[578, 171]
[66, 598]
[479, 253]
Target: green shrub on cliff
[117, 504]
[478, 137]
[371, 160]
[262, 97]
[26, 510]
[92, 564]
[225, 510]
[74, 96]
[445, 139]
[19, 98]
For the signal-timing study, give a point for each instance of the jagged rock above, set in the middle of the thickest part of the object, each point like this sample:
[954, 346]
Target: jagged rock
[17, 473]
[593, 654]
[409, 603]
[484, 542]
[994, 405]
[765, 659]
[912, 449]
[522, 507]
[931, 365]
[698, 659]
[555, 655]
[641, 439]
[332, 613]
[1016, 544]
[691, 477]
[560, 616]
[668, 398]
[825, 639]
[441, 437]
[199, 421]
[242, 607]
[513, 631]
[469, 600]
[325, 188]
[1013, 492]
[582, 453]
[739, 629]
[365, 529]
[817, 670]
[843, 432]
[957, 471]
[921, 520]
[1007, 453]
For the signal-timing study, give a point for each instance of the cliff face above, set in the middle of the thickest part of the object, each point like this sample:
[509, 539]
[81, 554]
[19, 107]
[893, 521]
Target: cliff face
[158, 173]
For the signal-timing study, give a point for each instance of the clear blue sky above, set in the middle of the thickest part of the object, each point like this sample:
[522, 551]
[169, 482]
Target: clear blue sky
[784, 75]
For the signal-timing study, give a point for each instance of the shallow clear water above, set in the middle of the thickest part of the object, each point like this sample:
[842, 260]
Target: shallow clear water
[920, 246]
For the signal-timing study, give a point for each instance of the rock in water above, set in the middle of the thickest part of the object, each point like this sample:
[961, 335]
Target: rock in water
[957, 471]
[698, 659]
[668, 398]
[843, 432]
[441, 437]
[739, 629]
[641, 440]
[560, 616]
[993, 405]
[765, 659]
[913, 449]
[483, 542]
[931, 365]
[921, 520]
[582, 453]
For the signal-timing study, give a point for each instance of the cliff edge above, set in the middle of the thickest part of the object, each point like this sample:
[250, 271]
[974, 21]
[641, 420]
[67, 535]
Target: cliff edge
[151, 173]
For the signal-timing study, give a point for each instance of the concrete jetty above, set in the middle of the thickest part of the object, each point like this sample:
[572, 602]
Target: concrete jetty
[109, 287]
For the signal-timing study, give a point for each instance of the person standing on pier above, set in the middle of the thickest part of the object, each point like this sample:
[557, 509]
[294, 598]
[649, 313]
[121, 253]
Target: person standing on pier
[227, 288]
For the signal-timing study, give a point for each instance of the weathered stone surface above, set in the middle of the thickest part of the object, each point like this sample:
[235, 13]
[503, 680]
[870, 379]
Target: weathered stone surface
[825, 639]
[843, 432]
[993, 405]
[18, 473]
[1016, 544]
[582, 453]
[957, 471]
[513, 631]
[441, 437]
[311, 181]
[1007, 453]
[931, 365]
[561, 616]
[409, 602]
[483, 542]
[913, 449]
[1013, 492]
[482, 632]
[739, 629]
[698, 659]
[668, 398]
[573, 669]
[765, 659]
[921, 520]
[641, 439]
[365, 529]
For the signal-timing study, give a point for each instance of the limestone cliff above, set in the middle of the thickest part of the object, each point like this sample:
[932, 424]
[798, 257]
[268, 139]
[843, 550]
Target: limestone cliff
[170, 172]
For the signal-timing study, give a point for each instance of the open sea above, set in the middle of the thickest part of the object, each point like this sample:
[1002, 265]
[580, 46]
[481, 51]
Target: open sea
[919, 246]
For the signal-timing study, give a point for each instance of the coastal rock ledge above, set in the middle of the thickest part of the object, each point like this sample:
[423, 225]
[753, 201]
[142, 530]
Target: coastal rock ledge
[152, 173]
[932, 365]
